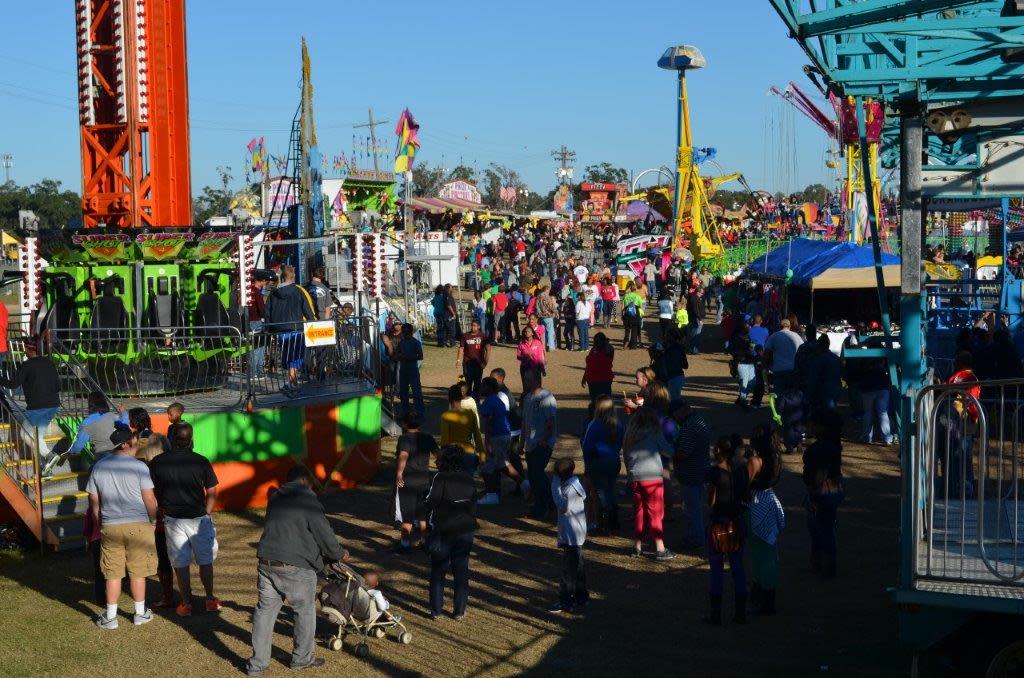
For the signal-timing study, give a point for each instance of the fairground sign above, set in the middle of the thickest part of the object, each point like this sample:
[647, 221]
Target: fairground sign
[460, 190]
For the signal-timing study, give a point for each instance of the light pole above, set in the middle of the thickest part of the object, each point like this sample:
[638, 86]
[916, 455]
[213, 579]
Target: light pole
[682, 58]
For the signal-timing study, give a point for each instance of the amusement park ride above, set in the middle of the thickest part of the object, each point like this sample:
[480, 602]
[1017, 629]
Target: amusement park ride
[144, 307]
[953, 72]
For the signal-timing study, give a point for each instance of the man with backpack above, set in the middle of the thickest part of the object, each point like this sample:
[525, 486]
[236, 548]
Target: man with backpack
[632, 317]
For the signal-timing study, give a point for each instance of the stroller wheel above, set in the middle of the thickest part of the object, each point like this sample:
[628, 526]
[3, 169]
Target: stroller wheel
[405, 638]
[335, 644]
[362, 650]
[378, 632]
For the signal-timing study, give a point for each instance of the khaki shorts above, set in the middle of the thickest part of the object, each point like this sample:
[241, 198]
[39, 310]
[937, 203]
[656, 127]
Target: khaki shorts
[131, 547]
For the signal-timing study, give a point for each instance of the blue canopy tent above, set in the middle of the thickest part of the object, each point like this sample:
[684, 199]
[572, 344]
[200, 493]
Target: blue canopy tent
[824, 265]
[819, 265]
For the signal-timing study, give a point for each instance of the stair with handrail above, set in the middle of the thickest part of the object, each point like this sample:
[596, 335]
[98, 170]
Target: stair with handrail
[52, 508]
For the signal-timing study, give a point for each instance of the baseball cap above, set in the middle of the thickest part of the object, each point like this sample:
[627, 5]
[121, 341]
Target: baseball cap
[121, 435]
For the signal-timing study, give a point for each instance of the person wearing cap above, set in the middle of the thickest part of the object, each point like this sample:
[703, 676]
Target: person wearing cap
[186, 490]
[40, 382]
[123, 503]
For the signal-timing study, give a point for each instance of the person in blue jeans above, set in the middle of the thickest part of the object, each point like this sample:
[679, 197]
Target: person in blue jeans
[823, 477]
[539, 432]
[409, 354]
[727, 486]
[39, 381]
[602, 455]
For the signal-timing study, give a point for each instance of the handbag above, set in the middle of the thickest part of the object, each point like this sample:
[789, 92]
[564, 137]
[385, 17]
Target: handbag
[726, 537]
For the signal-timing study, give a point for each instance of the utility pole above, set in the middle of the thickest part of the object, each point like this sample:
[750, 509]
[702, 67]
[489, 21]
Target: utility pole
[7, 160]
[565, 157]
[372, 124]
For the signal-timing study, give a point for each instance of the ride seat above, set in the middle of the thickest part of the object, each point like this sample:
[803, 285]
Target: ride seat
[210, 312]
[164, 313]
[63, 315]
[109, 317]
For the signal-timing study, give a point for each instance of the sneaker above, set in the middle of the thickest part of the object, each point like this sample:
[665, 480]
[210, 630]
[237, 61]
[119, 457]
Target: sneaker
[314, 663]
[662, 556]
[104, 623]
[636, 552]
[213, 604]
[489, 499]
[559, 608]
[52, 462]
[144, 618]
[183, 610]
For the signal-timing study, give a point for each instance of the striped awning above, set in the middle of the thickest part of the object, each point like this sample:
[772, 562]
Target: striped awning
[442, 205]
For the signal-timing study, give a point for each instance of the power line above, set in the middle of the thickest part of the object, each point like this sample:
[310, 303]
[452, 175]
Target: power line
[564, 156]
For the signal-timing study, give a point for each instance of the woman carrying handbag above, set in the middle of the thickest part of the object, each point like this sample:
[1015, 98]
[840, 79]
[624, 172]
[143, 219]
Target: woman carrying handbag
[727, 488]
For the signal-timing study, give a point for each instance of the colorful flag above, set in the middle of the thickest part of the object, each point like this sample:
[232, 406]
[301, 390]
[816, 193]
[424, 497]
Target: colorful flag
[407, 131]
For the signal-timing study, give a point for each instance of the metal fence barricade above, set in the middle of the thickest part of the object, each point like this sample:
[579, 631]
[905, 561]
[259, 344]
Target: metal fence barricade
[969, 517]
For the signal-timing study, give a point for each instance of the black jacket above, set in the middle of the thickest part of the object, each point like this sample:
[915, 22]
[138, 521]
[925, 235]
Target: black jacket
[40, 381]
[287, 306]
[297, 531]
[452, 500]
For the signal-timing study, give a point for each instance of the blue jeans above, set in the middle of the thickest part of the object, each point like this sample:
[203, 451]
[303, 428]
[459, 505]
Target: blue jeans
[602, 473]
[583, 327]
[257, 358]
[40, 421]
[695, 331]
[550, 340]
[717, 563]
[821, 523]
[876, 404]
[409, 378]
[675, 386]
[652, 290]
[694, 499]
[452, 555]
[745, 374]
[536, 463]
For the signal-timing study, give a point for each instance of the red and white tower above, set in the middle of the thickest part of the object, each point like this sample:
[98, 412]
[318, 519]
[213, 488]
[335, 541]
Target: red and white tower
[133, 110]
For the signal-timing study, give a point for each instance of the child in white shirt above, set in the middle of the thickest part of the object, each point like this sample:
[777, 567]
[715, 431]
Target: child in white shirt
[371, 579]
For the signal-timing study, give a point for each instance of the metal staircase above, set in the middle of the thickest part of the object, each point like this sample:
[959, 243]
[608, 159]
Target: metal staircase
[52, 508]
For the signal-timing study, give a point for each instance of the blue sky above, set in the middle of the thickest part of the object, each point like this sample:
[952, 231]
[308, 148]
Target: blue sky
[488, 82]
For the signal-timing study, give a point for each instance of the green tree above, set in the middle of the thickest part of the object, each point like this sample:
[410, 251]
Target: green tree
[213, 201]
[605, 173]
[495, 177]
[462, 173]
[427, 180]
[815, 193]
[52, 205]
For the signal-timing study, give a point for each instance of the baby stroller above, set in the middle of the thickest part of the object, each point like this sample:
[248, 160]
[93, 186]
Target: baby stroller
[345, 601]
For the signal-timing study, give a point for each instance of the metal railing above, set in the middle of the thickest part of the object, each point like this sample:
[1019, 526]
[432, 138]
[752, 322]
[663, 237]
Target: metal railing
[967, 459]
[211, 367]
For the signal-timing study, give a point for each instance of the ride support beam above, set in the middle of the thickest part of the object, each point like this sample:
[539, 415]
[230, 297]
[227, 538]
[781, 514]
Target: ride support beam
[864, 13]
[912, 302]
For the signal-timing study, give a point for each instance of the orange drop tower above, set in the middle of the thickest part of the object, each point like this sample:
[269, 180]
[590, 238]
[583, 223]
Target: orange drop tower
[133, 109]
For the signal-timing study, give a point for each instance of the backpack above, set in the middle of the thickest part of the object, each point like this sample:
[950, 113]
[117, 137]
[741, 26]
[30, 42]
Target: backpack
[630, 311]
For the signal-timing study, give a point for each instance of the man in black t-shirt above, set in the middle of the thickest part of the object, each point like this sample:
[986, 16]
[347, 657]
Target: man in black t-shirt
[186, 490]
[412, 478]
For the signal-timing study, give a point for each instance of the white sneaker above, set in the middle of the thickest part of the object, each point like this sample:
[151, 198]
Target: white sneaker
[106, 623]
[489, 499]
[52, 461]
[144, 618]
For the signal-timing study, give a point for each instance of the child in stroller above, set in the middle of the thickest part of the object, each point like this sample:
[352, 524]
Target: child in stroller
[356, 605]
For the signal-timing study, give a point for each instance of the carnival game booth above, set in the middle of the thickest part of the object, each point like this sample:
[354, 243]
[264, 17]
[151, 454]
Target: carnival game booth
[824, 282]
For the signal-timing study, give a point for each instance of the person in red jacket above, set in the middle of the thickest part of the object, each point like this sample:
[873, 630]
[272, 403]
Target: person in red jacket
[598, 375]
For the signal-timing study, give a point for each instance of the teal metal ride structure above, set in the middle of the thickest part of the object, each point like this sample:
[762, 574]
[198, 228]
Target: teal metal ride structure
[921, 57]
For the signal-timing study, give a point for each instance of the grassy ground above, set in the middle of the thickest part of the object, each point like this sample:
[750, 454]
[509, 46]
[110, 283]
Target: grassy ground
[645, 616]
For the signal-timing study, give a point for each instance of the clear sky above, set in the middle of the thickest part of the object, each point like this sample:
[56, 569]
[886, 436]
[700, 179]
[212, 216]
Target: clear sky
[488, 82]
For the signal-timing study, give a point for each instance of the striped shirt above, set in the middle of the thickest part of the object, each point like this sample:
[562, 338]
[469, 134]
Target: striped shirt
[692, 449]
[766, 516]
